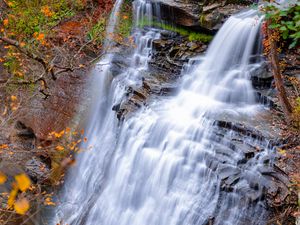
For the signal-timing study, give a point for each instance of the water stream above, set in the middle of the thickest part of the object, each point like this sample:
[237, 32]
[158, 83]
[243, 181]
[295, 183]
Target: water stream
[171, 163]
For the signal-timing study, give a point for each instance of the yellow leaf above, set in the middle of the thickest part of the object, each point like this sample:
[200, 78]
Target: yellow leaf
[21, 206]
[3, 178]
[13, 98]
[60, 134]
[48, 201]
[12, 197]
[14, 108]
[59, 148]
[281, 151]
[23, 181]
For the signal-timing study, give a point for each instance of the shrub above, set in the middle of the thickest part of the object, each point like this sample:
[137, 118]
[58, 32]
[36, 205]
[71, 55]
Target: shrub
[287, 21]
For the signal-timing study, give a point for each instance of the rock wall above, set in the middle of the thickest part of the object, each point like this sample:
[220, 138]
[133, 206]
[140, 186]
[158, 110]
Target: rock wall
[198, 15]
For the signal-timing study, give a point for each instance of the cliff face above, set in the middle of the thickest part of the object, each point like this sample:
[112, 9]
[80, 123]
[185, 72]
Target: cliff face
[199, 15]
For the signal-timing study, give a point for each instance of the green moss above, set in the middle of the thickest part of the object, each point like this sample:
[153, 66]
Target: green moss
[191, 35]
[202, 19]
[200, 37]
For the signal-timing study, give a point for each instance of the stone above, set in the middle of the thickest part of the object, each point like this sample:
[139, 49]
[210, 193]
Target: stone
[37, 170]
[207, 15]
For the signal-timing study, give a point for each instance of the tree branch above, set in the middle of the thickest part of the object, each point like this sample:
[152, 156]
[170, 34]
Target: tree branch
[29, 54]
[48, 67]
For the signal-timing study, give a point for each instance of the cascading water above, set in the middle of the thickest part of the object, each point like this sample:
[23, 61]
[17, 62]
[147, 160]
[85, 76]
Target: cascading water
[172, 163]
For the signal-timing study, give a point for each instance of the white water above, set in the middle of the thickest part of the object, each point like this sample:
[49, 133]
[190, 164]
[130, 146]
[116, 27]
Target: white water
[164, 165]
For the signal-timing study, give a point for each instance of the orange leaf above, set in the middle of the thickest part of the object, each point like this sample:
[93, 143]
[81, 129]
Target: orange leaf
[5, 22]
[46, 11]
[12, 197]
[3, 178]
[60, 148]
[4, 146]
[21, 206]
[23, 181]
[13, 98]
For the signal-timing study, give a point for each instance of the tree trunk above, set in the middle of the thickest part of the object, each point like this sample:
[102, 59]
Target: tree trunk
[275, 68]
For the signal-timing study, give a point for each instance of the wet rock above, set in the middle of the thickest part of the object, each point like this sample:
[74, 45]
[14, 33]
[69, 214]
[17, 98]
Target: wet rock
[37, 170]
[261, 77]
[171, 56]
[120, 61]
[210, 221]
[240, 128]
[267, 99]
[180, 12]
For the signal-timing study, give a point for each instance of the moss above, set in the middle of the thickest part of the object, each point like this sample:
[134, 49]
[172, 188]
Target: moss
[191, 35]
[202, 19]
[200, 37]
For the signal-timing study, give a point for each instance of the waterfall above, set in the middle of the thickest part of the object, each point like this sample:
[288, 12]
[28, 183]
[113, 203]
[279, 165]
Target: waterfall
[172, 163]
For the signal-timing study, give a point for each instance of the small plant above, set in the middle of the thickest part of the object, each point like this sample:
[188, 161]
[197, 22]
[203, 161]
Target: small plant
[25, 18]
[125, 23]
[97, 33]
[286, 21]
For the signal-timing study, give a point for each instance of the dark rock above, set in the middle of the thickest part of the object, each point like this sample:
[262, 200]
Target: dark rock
[171, 56]
[206, 15]
[120, 61]
[37, 170]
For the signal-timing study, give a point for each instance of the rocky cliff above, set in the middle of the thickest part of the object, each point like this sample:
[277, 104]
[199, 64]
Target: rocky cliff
[199, 15]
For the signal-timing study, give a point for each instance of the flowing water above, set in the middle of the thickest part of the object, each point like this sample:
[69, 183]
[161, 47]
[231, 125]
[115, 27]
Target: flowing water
[171, 163]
